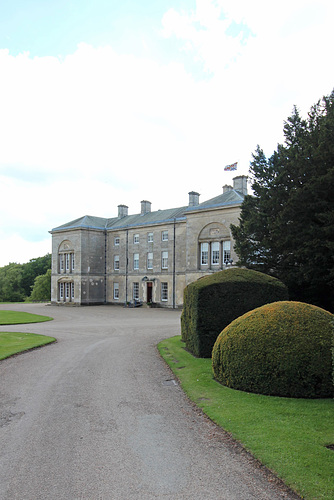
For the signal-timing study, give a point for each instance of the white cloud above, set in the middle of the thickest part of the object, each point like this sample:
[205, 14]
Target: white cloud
[97, 128]
[283, 60]
[288, 45]
[204, 34]
[14, 248]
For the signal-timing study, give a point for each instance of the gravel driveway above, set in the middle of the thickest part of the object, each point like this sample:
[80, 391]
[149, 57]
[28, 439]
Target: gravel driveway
[91, 417]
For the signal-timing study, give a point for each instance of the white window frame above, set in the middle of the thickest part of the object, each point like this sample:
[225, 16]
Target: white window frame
[61, 262]
[135, 291]
[116, 262]
[72, 290]
[164, 235]
[150, 260]
[116, 241]
[164, 291]
[215, 253]
[67, 290]
[116, 291]
[72, 261]
[226, 250]
[135, 261]
[61, 290]
[204, 254]
[149, 237]
[164, 259]
[67, 261]
[136, 239]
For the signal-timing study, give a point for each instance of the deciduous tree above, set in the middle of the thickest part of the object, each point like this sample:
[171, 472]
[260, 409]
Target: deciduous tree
[17, 280]
[42, 287]
[11, 283]
[32, 269]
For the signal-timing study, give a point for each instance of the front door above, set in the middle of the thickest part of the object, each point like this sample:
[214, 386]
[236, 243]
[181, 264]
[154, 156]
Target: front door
[149, 291]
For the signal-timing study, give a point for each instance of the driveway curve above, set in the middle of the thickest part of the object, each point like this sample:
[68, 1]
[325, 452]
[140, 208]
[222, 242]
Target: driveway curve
[92, 418]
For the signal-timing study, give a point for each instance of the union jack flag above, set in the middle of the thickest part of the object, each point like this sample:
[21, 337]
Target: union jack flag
[233, 166]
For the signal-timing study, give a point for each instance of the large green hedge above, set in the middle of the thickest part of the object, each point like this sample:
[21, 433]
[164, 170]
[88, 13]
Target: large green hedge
[212, 302]
[279, 349]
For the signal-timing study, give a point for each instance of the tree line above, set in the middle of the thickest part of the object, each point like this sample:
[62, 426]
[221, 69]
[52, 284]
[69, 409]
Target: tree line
[287, 225]
[31, 280]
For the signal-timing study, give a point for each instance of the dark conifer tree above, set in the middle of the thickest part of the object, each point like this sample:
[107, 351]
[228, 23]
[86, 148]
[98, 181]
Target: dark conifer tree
[287, 227]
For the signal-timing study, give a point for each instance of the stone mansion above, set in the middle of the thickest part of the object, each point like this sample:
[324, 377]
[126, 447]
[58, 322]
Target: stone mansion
[148, 257]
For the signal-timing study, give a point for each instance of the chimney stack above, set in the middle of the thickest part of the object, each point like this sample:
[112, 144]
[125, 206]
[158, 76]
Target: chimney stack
[193, 199]
[227, 188]
[122, 211]
[240, 184]
[145, 207]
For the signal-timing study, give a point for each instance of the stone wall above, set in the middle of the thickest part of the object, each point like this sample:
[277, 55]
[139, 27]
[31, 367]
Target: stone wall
[94, 277]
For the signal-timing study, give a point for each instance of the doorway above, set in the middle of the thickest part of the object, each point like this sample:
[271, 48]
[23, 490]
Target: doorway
[149, 291]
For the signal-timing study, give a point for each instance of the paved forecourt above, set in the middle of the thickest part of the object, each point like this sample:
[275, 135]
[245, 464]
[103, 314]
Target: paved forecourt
[92, 417]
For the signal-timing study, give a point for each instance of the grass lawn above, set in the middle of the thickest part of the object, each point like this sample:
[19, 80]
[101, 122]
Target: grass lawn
[14, 342]
[289, 436]
[16, 318]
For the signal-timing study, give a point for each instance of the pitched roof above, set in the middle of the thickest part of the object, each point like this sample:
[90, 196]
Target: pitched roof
[231, 197]
[156, 217]
[85, 222]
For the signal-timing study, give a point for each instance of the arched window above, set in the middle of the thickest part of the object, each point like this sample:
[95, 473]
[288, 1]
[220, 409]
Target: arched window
[214, 246]
[66, 257]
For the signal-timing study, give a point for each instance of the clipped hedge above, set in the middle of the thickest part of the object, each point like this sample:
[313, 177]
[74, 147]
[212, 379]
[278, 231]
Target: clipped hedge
[279, 349]
[213, 301]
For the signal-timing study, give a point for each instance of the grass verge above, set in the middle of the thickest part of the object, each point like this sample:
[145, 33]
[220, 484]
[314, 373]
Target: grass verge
[13, 342]
[289, 436]
[17, 317]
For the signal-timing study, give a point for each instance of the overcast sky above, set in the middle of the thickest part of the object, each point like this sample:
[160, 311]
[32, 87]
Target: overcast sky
[110, 102]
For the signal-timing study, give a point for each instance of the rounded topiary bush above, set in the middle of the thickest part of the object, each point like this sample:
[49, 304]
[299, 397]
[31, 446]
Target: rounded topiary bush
[279, 349]
[213, 301]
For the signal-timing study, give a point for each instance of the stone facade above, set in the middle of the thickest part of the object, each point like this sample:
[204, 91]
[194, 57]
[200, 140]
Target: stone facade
[148, 257]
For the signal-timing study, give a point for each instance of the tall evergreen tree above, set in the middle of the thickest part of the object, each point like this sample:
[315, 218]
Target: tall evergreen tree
[287, 227]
